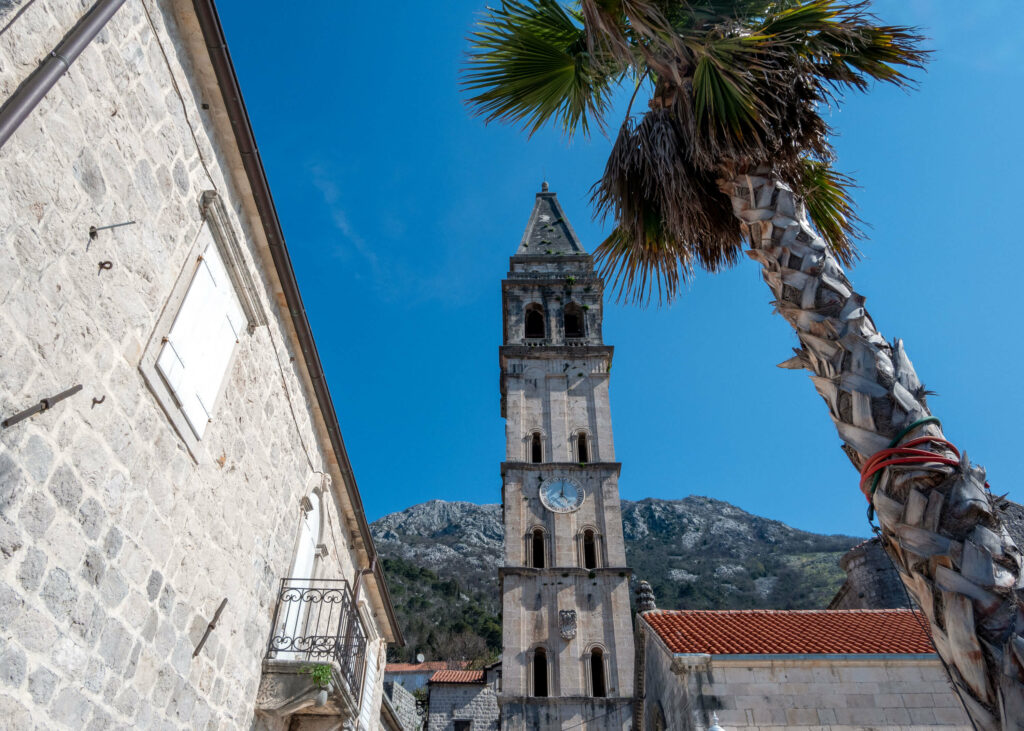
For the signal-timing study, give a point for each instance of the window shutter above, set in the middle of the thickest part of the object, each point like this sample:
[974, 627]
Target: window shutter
[198, 348]
[366, 715]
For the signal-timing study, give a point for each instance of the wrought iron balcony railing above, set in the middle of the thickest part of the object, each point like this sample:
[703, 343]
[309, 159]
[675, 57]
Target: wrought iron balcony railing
[315, 622]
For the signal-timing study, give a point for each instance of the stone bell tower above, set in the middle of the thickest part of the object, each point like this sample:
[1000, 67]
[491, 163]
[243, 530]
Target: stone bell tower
[567, 658]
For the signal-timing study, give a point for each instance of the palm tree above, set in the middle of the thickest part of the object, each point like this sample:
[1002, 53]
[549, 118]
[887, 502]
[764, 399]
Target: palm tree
[732, 154]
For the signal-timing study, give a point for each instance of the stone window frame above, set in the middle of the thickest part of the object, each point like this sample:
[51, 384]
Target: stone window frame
[528, 445]
[599, 557]
[577, 308]
[549, 663]
[316, 489]
[534, 306]
[213, 214]
[548, 549]
[575, 446]
[588, 676]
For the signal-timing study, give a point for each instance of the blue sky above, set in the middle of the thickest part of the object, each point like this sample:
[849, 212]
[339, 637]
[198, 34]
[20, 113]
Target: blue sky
[400, 211]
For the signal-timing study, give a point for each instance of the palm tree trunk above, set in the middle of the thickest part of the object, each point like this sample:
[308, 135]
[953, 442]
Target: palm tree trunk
[939, 524]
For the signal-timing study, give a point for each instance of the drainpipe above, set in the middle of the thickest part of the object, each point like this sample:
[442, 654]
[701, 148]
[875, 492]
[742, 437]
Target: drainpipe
[34, 88]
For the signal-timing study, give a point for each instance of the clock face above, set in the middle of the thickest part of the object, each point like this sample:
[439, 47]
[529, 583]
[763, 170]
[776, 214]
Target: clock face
[561, 495]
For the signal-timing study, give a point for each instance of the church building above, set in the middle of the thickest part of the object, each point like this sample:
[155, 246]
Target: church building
[567, 658]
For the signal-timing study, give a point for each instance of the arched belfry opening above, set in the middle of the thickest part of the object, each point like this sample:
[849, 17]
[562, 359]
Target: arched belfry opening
[572, 319]
[540, 673]
[589, 550]
[582, 448]
[536, 448]
[537, 548]
[534, 321]
[597, 673]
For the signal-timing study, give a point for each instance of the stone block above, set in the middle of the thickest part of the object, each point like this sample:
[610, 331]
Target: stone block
[36, 514]
[91, 516]
[37, 457]
[32, 569]
[13, 665]
[66, 488]
[70, 708]
[59, 594]
[41, 684]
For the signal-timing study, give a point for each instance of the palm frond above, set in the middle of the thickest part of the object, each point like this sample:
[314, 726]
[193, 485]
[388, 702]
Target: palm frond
[670, 216]
[826, 194]
[530, 63]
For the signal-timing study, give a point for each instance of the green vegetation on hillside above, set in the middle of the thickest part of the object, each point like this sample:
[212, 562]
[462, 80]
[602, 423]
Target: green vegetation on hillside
[440, 618]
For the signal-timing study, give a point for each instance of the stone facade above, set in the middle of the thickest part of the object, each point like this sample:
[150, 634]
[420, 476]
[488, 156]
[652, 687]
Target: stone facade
[119, 536]
[872, 582]
[565, 584]
[403, 707]
[475, 702]
[793, 692]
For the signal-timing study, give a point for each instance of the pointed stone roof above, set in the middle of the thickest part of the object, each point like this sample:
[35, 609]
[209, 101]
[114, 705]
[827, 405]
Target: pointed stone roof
[549, 231]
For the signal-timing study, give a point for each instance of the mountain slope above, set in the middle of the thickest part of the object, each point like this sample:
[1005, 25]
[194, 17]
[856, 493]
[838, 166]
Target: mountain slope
[698, 553]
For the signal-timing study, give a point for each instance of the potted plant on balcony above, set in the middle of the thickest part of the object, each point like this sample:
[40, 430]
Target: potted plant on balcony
[321, 677]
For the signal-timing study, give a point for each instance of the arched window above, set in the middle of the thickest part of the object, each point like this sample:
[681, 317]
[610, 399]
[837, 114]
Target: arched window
[536, 449]
[589, 550]
[537, 549]
[572, 318]
[597, 673]
[582, 447]
[540, 673]
[534, 321]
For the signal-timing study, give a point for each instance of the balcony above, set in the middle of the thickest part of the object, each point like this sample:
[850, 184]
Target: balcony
[315, 623]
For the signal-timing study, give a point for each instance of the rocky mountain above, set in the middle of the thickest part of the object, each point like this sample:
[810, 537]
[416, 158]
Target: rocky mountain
[441, 560]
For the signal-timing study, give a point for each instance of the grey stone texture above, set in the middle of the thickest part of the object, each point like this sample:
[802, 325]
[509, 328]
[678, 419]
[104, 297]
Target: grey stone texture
[115, 539]
[800, 693]
[451, 702]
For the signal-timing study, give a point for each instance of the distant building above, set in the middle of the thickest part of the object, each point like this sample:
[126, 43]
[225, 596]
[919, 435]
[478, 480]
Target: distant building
[181, 535]
[824, 669]
[465, 700]
[412, 676]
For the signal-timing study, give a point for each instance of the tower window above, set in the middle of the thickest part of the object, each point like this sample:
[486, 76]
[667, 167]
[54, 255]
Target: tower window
[540, 673]
[534, 321]
[589, 550]
[572, 318]
[597, 672]
[582, 447]
[537, 549]
[536, 451]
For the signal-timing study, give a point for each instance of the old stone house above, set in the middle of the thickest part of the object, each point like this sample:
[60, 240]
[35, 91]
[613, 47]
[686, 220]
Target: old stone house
[181, 533]
[839, 670]
[465, 700]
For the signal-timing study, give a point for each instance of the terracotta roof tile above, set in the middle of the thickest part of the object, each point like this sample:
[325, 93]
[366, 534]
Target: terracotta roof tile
[419, 667]
[457, 676]
[771, 632]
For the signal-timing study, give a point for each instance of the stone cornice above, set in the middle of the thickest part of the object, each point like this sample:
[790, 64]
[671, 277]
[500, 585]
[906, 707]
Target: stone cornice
[613, 467]
[563, 571]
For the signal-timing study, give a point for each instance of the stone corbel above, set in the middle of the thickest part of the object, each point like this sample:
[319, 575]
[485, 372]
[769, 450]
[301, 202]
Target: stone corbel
[686, 662]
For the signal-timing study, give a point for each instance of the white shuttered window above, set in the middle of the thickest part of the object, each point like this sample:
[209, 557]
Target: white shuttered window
[196, 352]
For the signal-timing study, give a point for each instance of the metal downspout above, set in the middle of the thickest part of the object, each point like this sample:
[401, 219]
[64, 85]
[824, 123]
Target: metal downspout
[32, 90]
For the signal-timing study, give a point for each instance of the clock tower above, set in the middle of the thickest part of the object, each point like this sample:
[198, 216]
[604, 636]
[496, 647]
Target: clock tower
[567, 658]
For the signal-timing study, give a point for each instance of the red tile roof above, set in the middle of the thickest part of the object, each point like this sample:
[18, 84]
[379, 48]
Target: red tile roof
[457, 676]
[421, 667]
[770, 632]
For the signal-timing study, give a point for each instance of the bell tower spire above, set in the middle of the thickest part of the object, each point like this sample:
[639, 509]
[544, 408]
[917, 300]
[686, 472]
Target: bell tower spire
[567, 657]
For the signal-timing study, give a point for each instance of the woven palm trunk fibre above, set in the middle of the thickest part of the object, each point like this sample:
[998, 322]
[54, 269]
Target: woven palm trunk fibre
[940, 524]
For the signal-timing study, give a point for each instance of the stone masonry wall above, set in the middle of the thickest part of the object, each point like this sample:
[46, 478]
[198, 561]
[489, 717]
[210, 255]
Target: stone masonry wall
[474, 702]
[116, 546]
[827, 694]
